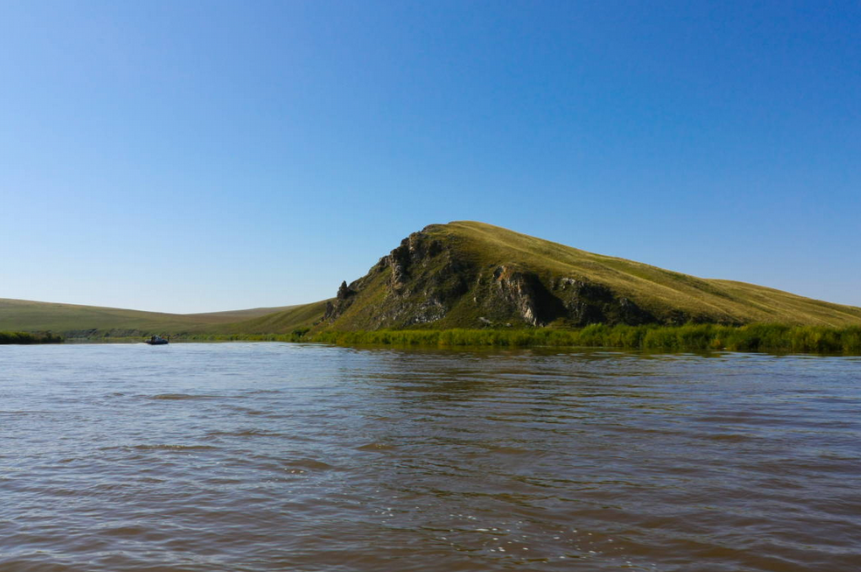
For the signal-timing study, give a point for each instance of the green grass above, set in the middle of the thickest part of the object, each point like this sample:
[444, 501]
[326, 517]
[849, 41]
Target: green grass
[774, 338]
[7, 338]
[280, 323]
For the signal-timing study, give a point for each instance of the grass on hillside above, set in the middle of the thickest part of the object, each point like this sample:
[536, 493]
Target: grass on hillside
[280, 323]
[659, 291]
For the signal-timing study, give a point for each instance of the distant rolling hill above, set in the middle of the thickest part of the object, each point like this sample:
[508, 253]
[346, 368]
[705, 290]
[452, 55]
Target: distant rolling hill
[71, 319]
[471, 275]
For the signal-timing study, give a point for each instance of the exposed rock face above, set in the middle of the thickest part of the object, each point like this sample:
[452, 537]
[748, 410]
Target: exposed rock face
[344, 291]
[511, 291]
[519, 291]
[343, 300]
[590, 303]
[424, 279]
[523, 294]
[413, 251]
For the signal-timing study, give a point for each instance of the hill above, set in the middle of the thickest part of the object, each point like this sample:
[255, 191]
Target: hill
[81, 321]
[287, 320]
[470, 274]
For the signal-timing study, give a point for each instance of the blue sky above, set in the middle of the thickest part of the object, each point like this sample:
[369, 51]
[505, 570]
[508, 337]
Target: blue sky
[195, 156]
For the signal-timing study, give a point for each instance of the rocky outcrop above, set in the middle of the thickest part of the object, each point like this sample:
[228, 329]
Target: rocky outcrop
[343, 299]
[517, 292]
[591, 303]
[425, 278]
[413, 251]
[513, 292]
[421, 279]
[345, 291]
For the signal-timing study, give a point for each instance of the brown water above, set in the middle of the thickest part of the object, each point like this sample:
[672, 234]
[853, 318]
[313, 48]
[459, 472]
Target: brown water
[247, 457]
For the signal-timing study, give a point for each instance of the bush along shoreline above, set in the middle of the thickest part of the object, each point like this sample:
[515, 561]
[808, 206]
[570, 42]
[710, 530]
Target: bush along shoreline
[772, 338]
[26, 338]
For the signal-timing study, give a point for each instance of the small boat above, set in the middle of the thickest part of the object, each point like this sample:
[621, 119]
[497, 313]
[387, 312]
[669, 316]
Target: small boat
[157, 341]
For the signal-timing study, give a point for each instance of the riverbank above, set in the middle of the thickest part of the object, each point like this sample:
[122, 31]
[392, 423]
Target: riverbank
[772, 338]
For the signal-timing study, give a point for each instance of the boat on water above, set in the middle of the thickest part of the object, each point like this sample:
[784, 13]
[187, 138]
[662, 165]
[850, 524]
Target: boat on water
[157, 341]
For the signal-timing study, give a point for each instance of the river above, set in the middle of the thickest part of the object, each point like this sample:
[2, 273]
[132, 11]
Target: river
[267, 456]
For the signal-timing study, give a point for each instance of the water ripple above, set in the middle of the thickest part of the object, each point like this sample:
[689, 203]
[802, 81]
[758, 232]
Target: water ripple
[259, 457]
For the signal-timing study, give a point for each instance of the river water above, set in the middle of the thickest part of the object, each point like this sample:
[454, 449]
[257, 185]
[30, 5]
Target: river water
[254, 457]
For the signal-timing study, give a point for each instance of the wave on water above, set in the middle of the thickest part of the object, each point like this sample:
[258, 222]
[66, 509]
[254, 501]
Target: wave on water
[166, 447]
[250, 432]
[376, 447]
[182, 396]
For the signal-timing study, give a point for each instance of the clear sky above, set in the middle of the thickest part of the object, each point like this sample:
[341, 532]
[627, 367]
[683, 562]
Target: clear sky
[192, 156]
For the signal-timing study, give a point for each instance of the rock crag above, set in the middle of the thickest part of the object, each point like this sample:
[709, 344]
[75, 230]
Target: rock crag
[427, 279]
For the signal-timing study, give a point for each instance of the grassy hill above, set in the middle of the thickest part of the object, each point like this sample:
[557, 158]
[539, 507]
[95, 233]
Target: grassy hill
[284, 321]
[470, 274]
[76, 320]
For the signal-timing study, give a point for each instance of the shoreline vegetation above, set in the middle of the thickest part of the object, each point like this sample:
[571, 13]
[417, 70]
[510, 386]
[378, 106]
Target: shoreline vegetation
[770, 338]
[27, 338]
[690, 337]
